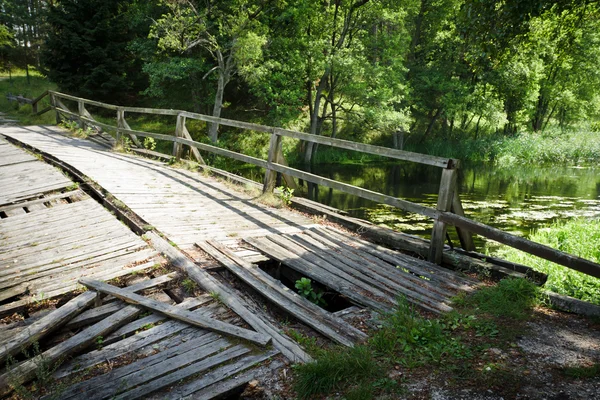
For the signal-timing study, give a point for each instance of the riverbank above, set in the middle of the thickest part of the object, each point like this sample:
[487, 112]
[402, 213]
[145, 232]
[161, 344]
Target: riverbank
[580, 237]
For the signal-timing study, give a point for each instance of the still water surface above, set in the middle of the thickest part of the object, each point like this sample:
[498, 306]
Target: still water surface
[517, 199]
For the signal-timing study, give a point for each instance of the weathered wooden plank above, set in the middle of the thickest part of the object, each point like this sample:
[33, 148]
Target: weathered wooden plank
[45, 199]
[131, 339]
[216, 383]
[177, 313]
[548, 253]
[464, 236]
[98, 313]
[26, 371]
[192, 369]
[418, 267]
[350, 290]
[307, 312]
[145, 369]
[44, 326]
[444, 203]
[288, 347]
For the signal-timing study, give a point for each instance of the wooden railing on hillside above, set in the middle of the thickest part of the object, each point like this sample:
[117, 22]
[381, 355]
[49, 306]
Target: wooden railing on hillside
[449, 210]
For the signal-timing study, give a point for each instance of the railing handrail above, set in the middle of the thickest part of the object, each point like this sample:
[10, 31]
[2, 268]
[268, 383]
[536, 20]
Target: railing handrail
[441, 214]
[441, 162]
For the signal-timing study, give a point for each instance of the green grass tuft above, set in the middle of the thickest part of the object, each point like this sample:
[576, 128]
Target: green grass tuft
[580, 237]
[335, 369]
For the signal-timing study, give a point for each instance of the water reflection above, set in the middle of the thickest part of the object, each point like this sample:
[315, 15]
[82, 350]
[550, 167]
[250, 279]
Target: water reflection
[516, 199]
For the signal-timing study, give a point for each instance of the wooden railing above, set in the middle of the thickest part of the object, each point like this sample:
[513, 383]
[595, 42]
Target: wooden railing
[448, 211]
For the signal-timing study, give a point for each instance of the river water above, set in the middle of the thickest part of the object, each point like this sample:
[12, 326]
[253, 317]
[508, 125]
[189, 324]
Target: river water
[517, 199]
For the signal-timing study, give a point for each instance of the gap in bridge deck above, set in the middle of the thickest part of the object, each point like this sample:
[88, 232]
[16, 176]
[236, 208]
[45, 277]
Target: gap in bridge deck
[334, 301]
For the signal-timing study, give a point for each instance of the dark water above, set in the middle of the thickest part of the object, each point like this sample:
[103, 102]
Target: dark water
[517, 199]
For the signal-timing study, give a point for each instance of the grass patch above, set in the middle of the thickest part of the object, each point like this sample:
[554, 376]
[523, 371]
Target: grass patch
[583, 372]
[18, 86]
[510, 298]
[454, 343]
[577, 236]
[334, 370]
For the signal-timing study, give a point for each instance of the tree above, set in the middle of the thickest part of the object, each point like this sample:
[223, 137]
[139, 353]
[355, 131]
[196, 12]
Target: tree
[227, 32]
[86, 51]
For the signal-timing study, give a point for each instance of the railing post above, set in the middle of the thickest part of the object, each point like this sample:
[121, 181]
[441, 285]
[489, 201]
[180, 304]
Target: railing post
[81, 113]
[177, 147]
[270, 175]
[120, 119]
[465, 237]
[53, 103]
[445, 197]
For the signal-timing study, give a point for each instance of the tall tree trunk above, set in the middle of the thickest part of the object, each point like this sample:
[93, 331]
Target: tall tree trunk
[213, 130]
[314, 117]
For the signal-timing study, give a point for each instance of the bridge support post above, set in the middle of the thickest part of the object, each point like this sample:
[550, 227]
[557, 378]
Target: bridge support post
[120, 120]
[445, 197]
[270, 175]
[178, 147]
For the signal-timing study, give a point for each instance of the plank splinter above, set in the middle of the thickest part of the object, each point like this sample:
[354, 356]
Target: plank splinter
[177, 313]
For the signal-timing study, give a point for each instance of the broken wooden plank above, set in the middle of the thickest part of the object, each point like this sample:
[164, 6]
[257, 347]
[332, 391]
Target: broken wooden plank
[49, 323]
[178, 313]
[299, 307]
[26, 371]
[288, 347]
[101, 312]
[216, 383]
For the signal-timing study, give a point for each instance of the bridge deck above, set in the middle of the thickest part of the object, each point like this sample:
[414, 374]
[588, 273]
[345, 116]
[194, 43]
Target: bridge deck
[51, 236]
[190, 208]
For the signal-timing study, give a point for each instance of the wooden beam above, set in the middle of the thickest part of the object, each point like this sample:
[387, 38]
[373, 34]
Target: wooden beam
[270, 175]
[194, 150]
[177, 147]
[465, 237]
[26, 370]
[209, 284]
[537, 249]
[445, 196]
[46, 325]
[177, 313]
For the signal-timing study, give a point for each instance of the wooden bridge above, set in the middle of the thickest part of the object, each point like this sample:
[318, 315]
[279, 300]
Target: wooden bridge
[226, 254]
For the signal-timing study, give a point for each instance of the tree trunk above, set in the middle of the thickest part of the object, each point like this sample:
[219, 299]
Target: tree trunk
[213, 131]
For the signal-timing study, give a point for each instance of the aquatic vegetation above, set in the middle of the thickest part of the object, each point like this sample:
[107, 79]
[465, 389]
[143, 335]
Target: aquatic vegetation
[578, 236]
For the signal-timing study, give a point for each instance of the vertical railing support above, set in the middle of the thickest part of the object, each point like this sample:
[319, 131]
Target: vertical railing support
[270, 175]
[53, 104]
[465, 237]
[445, 197]
[120, 124]
[81, 113]
[178, 147]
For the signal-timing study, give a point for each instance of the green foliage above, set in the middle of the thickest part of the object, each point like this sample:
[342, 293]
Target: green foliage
[509, 298]
[416, 340]
[583, 372]
[335, 369]
[189, 285]
[86, 48]
[44, 383]
[305, 289]
[285, 195]
[579, 237]
[149, 143]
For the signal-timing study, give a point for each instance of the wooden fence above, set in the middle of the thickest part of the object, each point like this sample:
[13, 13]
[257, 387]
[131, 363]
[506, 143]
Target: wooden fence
[448, 211]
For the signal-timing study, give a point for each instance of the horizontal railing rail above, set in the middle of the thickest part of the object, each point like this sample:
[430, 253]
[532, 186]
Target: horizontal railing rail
[447, 212]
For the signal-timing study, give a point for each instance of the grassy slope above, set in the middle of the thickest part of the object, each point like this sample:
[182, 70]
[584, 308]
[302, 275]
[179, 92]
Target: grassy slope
[578, 236]
[18, 85]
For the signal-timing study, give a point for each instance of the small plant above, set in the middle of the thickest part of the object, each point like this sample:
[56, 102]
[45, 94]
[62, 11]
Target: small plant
[149, 143]
[99, 342]
[305, 289]
[44, 384]
[73, 186]
[285, 194]
[189, 285]
[216, 296]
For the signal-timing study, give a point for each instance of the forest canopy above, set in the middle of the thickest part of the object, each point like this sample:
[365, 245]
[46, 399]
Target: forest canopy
[346, 68]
